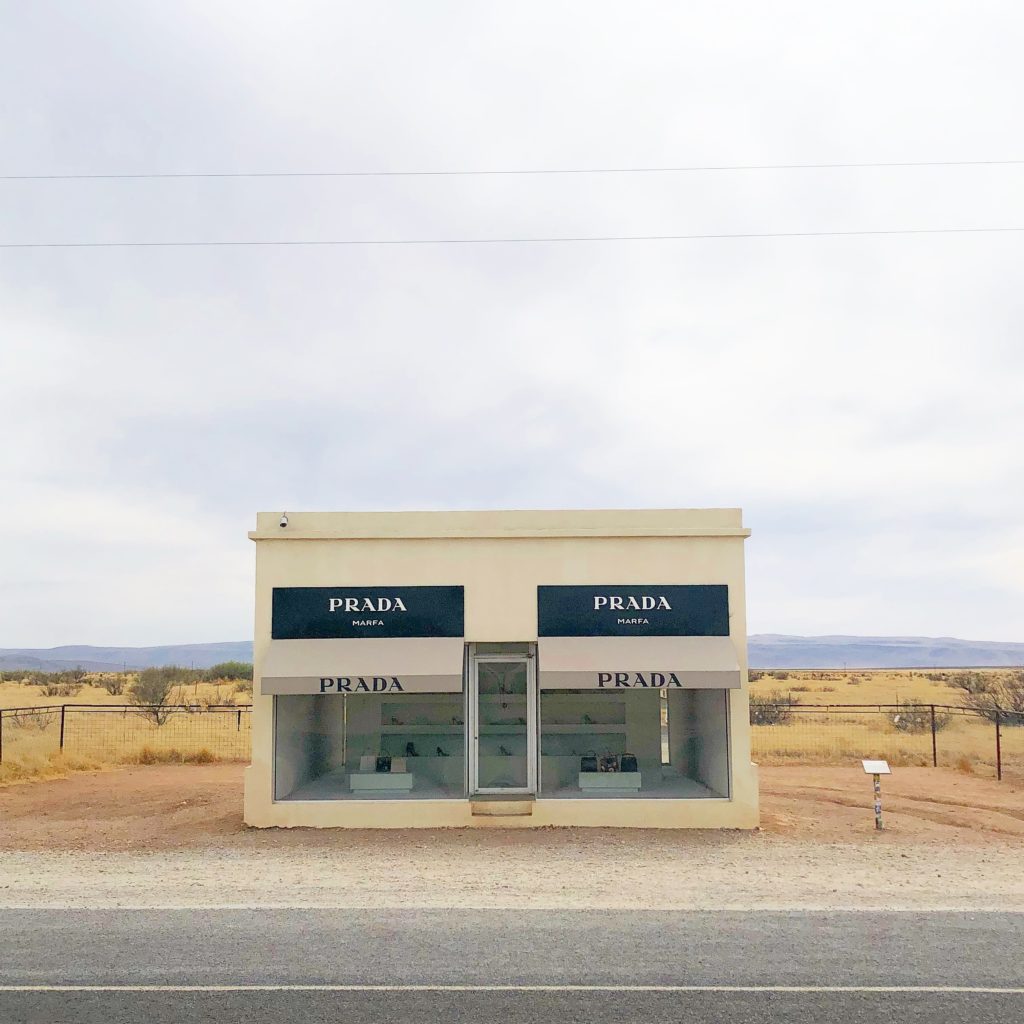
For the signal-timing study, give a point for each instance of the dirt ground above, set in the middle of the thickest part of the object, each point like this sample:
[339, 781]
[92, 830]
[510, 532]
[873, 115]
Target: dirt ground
[173, 836]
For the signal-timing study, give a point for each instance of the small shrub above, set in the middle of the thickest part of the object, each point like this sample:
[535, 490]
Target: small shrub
[824, 689]
[965, 765]
[244, 686]
[113, 683]
[802, 688]
[992, 696]
[914, 717]
[152, 692]
[780, 675]
[771, 708]
[229, 670]
[38, 720]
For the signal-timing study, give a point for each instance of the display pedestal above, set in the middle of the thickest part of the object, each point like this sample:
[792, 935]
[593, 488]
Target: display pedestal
[361, 782]
[605, 781]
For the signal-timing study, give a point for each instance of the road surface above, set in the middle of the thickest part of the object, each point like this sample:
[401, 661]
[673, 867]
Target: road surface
[515, 967]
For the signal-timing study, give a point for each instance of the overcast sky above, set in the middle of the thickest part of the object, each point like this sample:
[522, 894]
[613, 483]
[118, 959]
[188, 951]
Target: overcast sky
[862, 399]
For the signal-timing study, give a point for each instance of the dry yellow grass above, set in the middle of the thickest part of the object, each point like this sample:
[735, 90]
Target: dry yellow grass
[867, 686]
[31, 742]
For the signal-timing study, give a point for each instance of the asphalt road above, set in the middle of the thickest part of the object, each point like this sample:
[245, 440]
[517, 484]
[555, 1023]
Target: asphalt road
[418, 967]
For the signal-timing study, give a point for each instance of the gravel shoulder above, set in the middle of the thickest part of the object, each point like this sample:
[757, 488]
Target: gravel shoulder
[173, 836]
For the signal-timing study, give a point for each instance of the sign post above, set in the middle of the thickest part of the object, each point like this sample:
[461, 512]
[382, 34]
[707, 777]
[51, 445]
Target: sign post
[877, 769]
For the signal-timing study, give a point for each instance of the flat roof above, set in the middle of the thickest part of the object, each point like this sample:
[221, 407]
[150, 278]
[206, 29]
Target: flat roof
[667, 522]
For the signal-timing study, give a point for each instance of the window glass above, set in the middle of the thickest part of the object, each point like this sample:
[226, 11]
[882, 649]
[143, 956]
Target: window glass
[367, 746]
[637, 743]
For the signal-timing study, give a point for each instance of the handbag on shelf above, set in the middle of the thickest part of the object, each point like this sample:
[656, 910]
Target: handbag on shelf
[383, 763]
[608, 763]
[588, 762]
[398, 765]
[368, 763]
[627, 763]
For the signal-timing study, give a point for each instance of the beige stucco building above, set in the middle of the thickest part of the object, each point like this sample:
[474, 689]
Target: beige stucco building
[510, 669]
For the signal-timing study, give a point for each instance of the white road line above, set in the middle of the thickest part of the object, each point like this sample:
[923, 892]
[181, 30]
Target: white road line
[926, 989]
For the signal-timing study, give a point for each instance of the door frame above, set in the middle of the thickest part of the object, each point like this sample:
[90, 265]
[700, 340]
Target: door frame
[473, 723]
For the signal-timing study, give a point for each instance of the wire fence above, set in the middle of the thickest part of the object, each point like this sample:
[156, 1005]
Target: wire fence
[902, 734]
[920, 734]
[128, 732]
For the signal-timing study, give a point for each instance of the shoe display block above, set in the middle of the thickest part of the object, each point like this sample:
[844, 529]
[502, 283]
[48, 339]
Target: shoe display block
[361, 782]
[609, 781]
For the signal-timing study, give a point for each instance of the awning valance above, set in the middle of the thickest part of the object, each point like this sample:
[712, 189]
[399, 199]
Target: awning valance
[640, 662]
[370, 665]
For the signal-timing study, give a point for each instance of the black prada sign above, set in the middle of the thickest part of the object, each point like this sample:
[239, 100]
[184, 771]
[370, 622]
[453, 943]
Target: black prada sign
[320, 613]
[634, 610]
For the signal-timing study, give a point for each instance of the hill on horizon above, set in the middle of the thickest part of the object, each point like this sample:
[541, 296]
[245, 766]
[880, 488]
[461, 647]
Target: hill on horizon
[766, 651]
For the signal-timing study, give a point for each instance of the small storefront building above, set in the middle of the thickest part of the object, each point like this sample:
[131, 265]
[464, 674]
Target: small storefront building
[514, 669]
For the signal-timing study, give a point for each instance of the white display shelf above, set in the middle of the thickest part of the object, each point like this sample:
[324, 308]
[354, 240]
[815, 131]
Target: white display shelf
[422, 730]
[515, 729]
[427, 757]
[584, 729]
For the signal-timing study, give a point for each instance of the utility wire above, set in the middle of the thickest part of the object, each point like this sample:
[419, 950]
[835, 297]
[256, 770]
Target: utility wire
[504, 241]
[521, 171]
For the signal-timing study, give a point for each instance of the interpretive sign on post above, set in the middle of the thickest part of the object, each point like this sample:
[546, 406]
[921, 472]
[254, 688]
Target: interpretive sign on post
[877, 769]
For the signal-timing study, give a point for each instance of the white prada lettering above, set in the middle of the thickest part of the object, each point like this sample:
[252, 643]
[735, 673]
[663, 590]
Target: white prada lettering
[654, 680]
[367, 604]
[619, 603]
[360, 684]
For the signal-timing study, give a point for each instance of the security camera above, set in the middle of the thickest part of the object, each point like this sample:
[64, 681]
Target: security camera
[284, 520]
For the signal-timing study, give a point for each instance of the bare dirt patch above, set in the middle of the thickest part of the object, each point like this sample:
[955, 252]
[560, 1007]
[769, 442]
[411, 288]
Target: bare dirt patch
[183, 807]
[172, 835]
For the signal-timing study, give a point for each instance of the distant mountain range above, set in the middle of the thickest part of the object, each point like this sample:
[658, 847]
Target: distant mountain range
[766, 650]
[117, 659]
[772, 650]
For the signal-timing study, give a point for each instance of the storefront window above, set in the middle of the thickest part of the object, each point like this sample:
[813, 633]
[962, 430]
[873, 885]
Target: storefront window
[370, 746]
[635, 743]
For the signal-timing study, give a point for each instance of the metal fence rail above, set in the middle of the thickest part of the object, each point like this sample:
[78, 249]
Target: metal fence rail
[904, 734]
[128, 732]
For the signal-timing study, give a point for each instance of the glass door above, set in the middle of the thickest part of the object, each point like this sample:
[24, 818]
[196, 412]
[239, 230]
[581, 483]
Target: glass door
[503, 709]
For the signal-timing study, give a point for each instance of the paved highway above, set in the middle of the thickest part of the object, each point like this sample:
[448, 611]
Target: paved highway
[419, 966]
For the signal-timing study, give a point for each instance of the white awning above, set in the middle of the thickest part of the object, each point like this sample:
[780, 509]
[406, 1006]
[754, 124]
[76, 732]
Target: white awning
[370, 665]
[637, 662]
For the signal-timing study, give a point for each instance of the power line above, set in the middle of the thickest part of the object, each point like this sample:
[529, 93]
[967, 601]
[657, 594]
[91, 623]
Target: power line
[520, 171]
[503, 241]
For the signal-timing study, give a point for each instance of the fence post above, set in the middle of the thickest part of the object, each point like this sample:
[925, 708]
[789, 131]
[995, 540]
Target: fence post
[1, 735]
[999, 748]
[62, 709]
[238, 727]
[935, 749]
